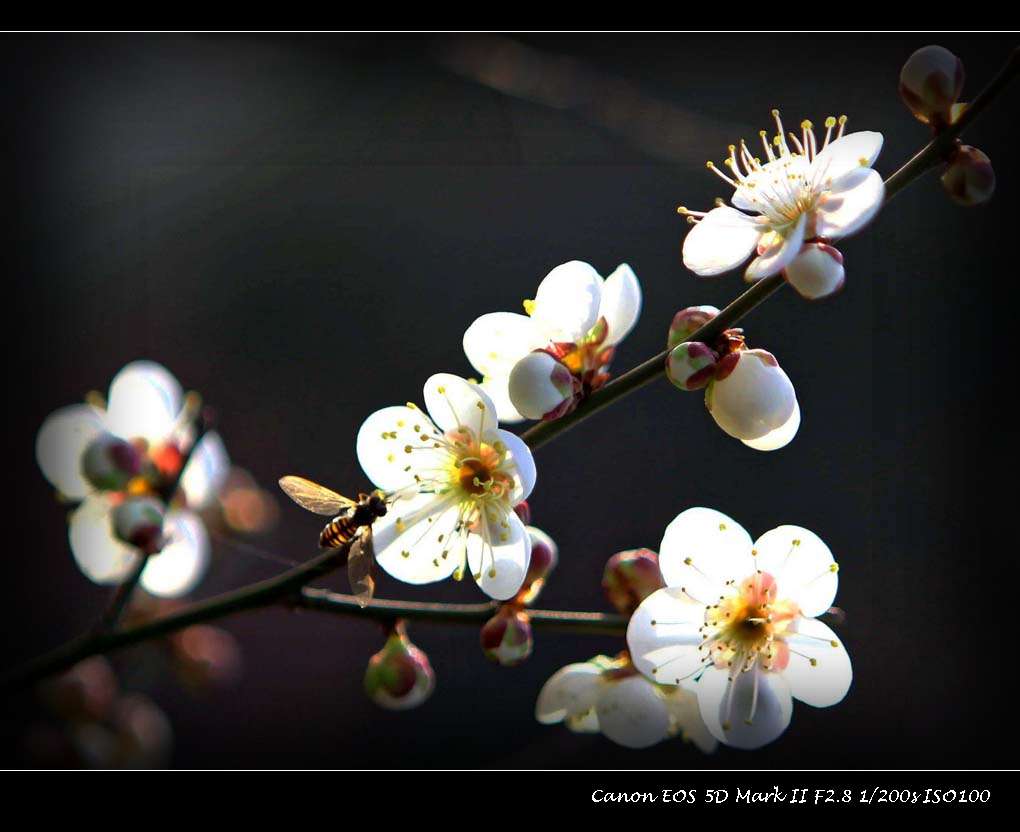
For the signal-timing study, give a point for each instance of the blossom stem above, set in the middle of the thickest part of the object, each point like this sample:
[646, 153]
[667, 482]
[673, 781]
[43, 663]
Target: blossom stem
[291, 588]
[382, 610]
[924, 160]
[125, 590]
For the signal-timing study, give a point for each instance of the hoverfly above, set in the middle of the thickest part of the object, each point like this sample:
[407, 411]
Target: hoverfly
[351, 527]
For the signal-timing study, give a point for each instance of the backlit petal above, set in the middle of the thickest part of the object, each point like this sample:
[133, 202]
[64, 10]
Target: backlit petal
[61, 443]
[180, 565]
[825, 681]
[453, 402]
[802, 565]
[621, 303]
[499, 559]
[145, 401]
[722, 240]
[701, 550]
[567, 302]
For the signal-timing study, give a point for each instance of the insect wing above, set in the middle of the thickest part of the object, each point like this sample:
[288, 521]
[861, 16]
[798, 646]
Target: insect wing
[360, 560]
[314, 497]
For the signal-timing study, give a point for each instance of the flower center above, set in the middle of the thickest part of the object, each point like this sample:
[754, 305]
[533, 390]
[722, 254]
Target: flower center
[749, 625]
[787, 183]
[475, 476]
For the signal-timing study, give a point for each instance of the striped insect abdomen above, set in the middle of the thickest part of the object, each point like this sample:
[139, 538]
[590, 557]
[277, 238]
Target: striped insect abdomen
[340, 531]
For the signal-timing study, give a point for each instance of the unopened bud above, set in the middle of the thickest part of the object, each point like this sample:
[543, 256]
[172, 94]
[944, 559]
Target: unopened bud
[506, 637]
[542, 388]
[688, 321]
[399, 677]
[817, 272]
[630, 577]
[523, 511]
[751, 395]
[139, 521]
[544, 555]
[110, 463]
[969, 179]
[691, 365]
[930, 84]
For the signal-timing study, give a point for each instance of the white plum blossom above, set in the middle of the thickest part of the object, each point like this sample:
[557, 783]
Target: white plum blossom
[452, 477]
[801, 197]
[575, 315]
[609, 696]
[114, 458]
[736, 624]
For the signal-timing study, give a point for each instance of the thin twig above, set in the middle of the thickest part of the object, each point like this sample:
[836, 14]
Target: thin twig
[380, 610]
[253, 596]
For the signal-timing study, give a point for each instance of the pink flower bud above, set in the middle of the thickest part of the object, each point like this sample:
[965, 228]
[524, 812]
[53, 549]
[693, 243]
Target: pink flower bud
[751, 395]
[109, 463]
[523, 511]
[691, 365]
[506, 637]
[543, 388]
[630, 577]
[930, 84]
[544, 556]
[688, 321]
[399, 677]
[969, 179]
[139, 521]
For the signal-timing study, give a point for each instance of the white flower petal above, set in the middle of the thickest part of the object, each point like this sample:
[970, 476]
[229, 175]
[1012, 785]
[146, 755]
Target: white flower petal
[584, 723]
[779, 437]
[727, 713]
[539, 385]
[145, 400]
[685, 716]
[453, 402]
[61, 443]
[384, 457]
[701, 550]
[722, 240]
[780, 251]
[850, 204]
[408, 545]
[621, 303]
[571, 690]
[102, 557]
[498, 340]
[500, 563]
[663, 637]
[497, 388]
[754, 399]
[854, 150]
[632, 712]
[206, 471]
[567, 302]
[524, 464]
[817, 272]
[802, 565]
[825, 682]
[180, 565]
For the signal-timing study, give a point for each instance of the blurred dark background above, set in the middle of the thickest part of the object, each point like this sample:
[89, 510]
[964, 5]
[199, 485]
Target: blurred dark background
[268, 214]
